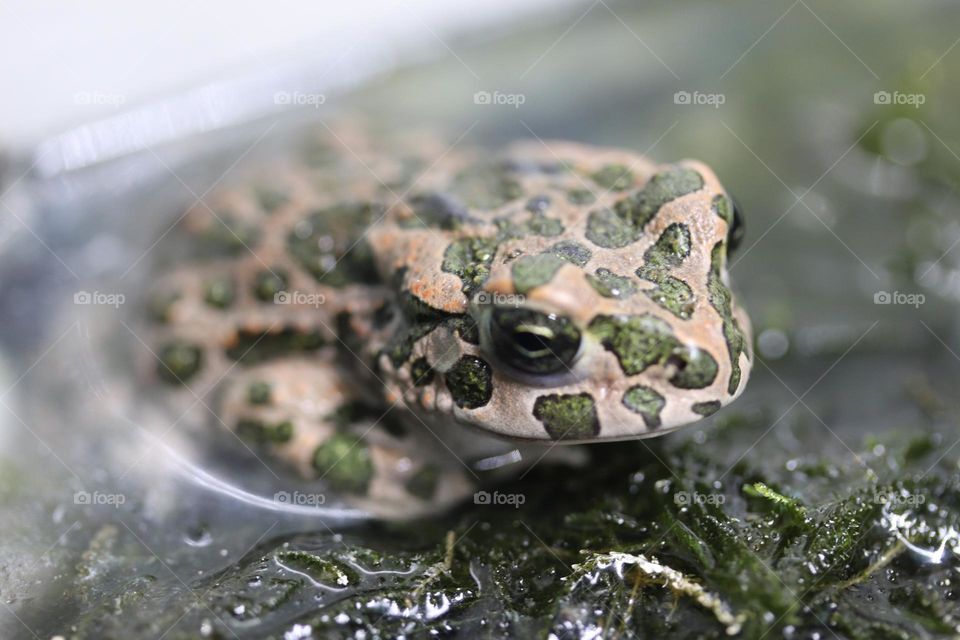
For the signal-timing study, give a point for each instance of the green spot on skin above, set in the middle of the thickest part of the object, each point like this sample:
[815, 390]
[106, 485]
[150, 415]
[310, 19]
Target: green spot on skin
[723, 207]
[537, 225]
[325, 244]
[706, 408]
[421, 372]
[267, 284]
[568, 417]
[344, 461]
[179, 361]
[530, 272]
[639, 208]
[637, 341]
[581, 196]
[644, 340]
[673, 294]
[262, 433]
[696, 369]
[259, 392]
[470, 259]
[670, 250]
[607, 229]
[270, 199]
[572, 252]
[401, 344]
[438, 210]
[470, 382]
[645, 401]
[610, 285]
[252, 347]
[722, 300]
[219, 292]
[486, 186]
[614, 177]
[159, 305]
[423, 483]
[228, 236]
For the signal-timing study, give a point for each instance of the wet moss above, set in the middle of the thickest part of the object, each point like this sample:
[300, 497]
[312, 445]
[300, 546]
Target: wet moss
[568, 417]
[323, 569]
[344, 461]
[470, 382]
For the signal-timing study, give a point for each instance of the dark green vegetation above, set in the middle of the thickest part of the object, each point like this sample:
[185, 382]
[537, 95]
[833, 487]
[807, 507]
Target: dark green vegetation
[765, 544]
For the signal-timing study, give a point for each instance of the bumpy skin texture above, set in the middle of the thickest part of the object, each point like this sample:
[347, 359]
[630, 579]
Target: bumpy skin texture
[356, 304]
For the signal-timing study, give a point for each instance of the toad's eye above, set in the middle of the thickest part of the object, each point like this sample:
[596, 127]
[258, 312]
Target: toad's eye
[737, 229]
[533, 342]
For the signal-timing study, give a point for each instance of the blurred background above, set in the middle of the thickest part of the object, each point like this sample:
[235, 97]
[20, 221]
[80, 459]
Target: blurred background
[833, 124]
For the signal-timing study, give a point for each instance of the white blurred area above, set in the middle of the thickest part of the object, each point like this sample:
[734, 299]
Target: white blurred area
[65, 63]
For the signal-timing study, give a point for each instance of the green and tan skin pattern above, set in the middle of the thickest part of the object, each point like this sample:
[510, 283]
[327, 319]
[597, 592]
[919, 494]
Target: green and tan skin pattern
[383, 320]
